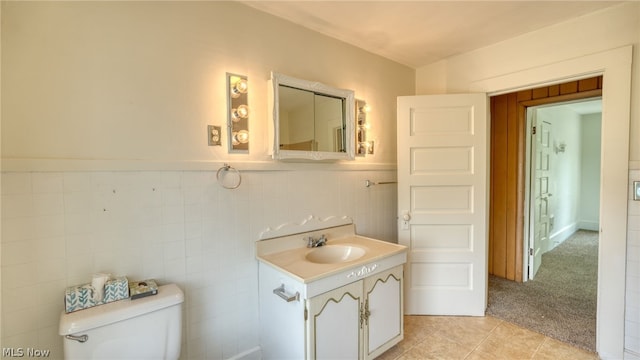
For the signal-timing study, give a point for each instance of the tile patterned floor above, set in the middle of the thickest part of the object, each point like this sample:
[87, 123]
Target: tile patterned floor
[476, 338]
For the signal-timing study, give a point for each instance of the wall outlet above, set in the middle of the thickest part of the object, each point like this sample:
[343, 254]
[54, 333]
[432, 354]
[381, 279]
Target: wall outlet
[214, 134]
[636, 190]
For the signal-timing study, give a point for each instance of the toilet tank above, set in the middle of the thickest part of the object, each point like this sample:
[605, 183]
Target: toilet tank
[145, 328]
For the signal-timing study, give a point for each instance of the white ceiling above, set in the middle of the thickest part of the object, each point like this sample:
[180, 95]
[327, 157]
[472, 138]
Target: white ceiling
[418, 33]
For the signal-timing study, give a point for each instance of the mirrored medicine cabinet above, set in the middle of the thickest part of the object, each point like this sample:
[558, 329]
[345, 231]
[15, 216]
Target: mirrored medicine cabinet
[311, 121]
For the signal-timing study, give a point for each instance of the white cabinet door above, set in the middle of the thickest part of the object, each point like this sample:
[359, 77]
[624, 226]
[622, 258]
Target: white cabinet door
[334, 323]
[383, 311]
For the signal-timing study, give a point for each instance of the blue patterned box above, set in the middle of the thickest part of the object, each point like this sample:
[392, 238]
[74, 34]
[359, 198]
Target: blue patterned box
[81, 297]
[116, 289]
[78, 298]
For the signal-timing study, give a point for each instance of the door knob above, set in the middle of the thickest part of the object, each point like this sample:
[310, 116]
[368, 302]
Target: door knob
[405, 220]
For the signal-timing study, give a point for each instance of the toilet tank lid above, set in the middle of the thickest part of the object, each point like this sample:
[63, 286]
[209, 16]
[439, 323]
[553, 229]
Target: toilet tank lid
[87, 319]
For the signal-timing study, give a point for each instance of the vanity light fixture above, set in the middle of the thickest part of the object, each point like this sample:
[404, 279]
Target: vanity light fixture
[363, 146]
[559, 147]
[238, 113]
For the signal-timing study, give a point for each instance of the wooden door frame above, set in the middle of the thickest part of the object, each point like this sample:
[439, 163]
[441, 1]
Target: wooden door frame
[512, 266]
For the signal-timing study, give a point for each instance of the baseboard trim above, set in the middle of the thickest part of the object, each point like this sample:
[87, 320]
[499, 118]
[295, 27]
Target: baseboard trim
[631, 355]
[561, 235]
[251, 354]
[589, 225]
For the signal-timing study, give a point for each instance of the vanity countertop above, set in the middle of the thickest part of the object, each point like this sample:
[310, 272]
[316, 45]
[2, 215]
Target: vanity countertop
[293, 260]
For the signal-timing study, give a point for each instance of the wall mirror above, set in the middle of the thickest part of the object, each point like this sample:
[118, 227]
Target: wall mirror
[311, 120]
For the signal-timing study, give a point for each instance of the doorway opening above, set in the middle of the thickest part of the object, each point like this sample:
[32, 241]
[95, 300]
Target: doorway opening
[561, 222]
[507, 193]
[562, 176]
[535, 206]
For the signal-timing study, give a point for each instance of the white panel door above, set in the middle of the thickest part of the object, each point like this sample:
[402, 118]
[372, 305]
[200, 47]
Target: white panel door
[540, 162]
[442, 202]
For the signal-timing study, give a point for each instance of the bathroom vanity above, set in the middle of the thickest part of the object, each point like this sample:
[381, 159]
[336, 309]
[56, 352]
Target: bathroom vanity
[340, 300]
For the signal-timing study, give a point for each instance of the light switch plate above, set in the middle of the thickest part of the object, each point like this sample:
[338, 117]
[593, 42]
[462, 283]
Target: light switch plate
[636, 190]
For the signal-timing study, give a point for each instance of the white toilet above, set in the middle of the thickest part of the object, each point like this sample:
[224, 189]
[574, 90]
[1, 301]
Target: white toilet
[146, 328]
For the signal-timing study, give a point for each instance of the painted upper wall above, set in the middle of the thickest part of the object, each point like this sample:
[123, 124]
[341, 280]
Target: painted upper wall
[590, 134]
[600, 31]
[121, 82]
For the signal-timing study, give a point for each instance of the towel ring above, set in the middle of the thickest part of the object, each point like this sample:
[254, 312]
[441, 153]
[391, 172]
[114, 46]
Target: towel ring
[226, 167]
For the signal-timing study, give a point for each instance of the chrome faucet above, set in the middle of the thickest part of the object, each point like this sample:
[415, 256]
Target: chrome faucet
[322, 240]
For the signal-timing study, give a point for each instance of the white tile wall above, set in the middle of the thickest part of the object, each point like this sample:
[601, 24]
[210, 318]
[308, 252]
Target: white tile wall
[632, 311]
[60, 228]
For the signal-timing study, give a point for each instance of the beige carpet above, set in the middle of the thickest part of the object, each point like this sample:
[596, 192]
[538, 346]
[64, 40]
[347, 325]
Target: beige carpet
[561, 301]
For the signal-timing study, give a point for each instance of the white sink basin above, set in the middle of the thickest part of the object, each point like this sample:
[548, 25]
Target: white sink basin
[332, 254]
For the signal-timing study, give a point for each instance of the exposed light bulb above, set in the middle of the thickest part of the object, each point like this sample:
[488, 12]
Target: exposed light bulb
[242, 136]
[239, 87]
[241, 112]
